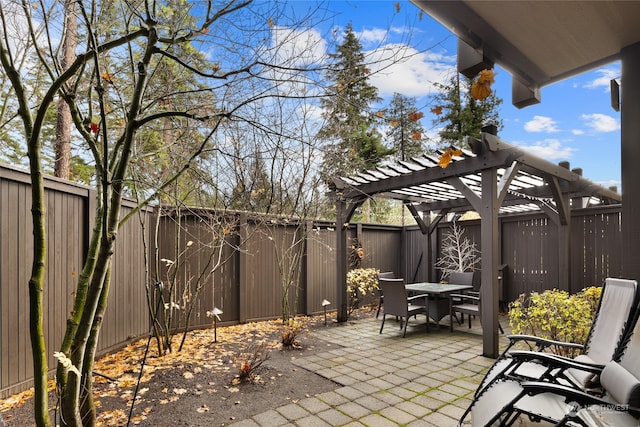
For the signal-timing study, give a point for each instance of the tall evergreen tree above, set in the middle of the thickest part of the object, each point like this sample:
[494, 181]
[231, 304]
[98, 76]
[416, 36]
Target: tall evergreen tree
[355, 143]
[460, 114]
[405, 133]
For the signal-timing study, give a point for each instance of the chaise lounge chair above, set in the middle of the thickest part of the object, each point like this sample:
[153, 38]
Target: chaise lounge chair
[509, 399]
[614, 317]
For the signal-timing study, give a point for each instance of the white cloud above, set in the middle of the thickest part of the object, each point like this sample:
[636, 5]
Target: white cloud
[371, 37]
[375, 35]
[601, 122]
[577, 131]
[605, 76]
[295, 47]
[549, 149]
[401, 68]
[541, 124]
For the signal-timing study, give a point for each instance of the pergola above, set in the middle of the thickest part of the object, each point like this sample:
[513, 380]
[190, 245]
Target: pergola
[540, 43]
[494, 178]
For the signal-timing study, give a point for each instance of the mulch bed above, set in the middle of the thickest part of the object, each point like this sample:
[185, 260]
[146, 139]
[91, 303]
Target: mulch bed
[200, 385]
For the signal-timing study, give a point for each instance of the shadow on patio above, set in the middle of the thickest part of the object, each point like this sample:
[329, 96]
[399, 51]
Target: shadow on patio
[386, 380]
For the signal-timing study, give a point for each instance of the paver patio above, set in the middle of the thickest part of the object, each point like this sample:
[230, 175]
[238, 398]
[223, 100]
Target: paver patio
[424, 379]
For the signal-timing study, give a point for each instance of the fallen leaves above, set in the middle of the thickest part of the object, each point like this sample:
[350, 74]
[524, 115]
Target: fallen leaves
[118, 373]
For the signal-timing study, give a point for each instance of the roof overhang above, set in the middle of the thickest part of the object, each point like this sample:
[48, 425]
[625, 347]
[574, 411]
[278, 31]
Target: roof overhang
[540, 42]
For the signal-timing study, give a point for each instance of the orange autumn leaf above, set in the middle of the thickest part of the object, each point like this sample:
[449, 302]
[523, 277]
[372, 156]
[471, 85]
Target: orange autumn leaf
[416, 136]
[481, 88]
[486, 76]
[394, 123]
[480, 92]
[415, 116]
[107, 77]
[270, 22]
[447, 156]
[379, 114]
[437, 110]
[445, 159]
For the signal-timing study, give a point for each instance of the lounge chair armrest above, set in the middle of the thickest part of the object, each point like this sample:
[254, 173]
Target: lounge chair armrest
[555, 361]
[574, 395]
[542, 343]
[571, 394]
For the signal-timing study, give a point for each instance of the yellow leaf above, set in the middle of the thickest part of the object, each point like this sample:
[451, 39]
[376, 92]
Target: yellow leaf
[107, 77]
[480, 91]
[445, 159]
[486, 76]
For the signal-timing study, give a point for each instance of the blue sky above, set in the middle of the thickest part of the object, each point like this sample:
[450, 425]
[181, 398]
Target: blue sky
[574, 122]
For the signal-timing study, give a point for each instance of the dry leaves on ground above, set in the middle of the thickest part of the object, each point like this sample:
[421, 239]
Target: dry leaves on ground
[117, 374]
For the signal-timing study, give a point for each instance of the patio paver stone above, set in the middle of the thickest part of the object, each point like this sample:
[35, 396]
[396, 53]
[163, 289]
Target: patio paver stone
[386, 380]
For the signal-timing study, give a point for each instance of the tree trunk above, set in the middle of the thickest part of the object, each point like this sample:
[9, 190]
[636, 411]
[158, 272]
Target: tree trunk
[62, 165]
[36, 281]
[36, 290]
[82, 289]
[88, 410]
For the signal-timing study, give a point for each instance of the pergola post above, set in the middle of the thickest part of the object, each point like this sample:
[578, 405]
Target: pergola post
[489, 275]
[341, 260]
[630, 152]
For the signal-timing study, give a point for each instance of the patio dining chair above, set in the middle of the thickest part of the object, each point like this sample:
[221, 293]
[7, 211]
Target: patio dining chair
[614, 316]
[461, 278]
[383, 275]
[507, 401]
[398, 303]
[469, 305]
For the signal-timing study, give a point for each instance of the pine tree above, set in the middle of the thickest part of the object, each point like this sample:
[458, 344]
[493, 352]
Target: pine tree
[354, 141]
[405, 132]
[461, 115]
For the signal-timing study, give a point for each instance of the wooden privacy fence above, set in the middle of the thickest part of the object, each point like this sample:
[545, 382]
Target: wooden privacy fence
[236, 262]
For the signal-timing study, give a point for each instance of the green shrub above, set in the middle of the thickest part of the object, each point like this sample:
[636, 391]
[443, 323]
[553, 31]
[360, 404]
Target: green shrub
[360, 283]
[555, 315]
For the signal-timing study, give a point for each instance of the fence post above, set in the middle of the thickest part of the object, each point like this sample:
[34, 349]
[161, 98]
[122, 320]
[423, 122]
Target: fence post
[243, 274]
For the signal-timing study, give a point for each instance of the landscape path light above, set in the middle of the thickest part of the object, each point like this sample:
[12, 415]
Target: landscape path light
[325, 303]
[215, 313]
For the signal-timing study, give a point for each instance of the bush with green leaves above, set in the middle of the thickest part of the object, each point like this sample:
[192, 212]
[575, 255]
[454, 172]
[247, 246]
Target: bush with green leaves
[556, 315]
[360, 283]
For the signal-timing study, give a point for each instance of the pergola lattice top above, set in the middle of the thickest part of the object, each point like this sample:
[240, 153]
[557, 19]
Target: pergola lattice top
[528, 182]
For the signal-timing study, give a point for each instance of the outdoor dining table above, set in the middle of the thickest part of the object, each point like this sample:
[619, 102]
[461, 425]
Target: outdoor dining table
[438, 300]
